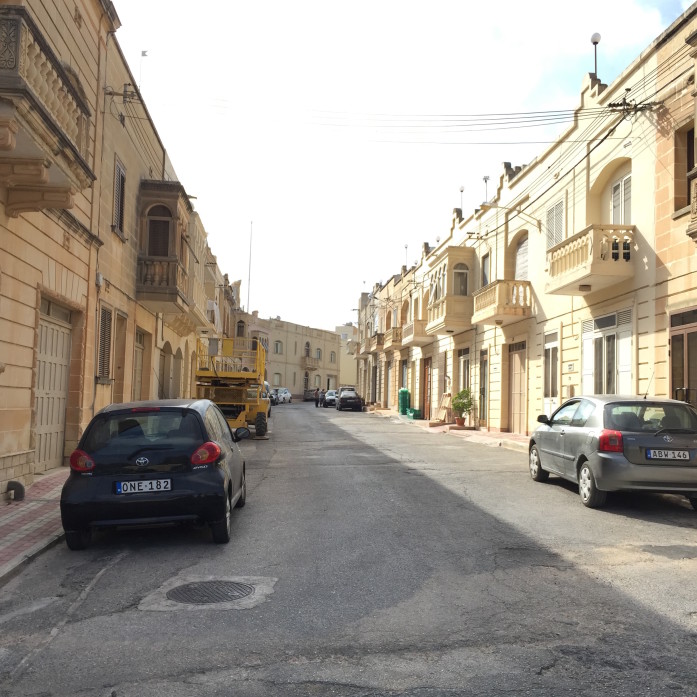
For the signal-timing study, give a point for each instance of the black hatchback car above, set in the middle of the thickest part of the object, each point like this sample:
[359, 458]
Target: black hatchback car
[165, 461]
[349, 399]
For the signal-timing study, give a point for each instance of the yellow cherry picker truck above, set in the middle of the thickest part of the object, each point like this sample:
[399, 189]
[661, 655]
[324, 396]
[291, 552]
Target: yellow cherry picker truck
[230, 372]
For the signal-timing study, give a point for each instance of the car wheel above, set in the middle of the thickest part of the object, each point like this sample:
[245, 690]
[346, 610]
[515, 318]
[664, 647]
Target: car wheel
[222, 530]
[536, 472]
[693, 501]
[243, 491]
[77, 539]
[591, 496]
[260, 425]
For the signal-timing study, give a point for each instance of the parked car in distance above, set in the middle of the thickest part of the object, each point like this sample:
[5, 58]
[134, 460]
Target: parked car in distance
[349, 399]
[163, 461]
[330, 398]
[284, 395]
[607, 443]
[274, 396]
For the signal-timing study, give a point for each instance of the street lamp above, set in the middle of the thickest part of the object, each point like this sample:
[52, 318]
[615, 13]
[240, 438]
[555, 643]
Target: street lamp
[595, 40]
[488, 206]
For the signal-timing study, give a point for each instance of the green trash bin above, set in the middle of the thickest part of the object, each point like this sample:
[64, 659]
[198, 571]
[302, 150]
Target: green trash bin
[403, 401]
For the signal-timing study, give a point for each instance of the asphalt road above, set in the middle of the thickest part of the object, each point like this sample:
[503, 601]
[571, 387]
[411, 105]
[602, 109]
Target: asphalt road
[372, 558]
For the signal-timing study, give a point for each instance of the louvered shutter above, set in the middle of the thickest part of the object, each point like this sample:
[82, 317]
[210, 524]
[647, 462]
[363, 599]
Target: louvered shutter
[104, 359]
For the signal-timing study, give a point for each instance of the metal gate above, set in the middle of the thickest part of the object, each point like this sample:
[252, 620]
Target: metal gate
[53, 373]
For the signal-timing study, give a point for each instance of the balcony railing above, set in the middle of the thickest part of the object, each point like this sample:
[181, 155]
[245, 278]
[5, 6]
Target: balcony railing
[161, 285]
[393, 338]
[595, 258]
[414, 334]
[502, 302]
[44, 120]
[450, 315]
[309, 363]
[377, 341]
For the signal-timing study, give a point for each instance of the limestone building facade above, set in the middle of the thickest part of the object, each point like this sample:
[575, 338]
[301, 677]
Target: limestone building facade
[578, 276]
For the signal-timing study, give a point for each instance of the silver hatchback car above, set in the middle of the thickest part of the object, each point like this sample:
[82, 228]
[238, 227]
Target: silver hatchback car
[608, 443]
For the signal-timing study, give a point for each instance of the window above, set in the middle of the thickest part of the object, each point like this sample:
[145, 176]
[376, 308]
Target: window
[276, 379]
[486, 270]
[555, 224]
[460, 278]
[240, 330]
[119, 197]
[159, 219]
[521, 260]
[318, 353]
[463, 362]
[104, 356]
[139, 351]
[318, 381]
[622, 201]
[551, 366]
[684, 173]
[332, 357]
[278, 347]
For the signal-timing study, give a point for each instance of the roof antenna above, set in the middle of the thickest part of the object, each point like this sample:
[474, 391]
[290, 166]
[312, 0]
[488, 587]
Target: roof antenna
[650, 380]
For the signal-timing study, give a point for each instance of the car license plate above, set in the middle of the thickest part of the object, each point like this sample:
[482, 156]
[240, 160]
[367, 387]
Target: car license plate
[653, 454]
[143, 486]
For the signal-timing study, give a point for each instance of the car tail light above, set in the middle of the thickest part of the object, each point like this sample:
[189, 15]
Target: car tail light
[80, 461]
[610, 442]
[208, 452]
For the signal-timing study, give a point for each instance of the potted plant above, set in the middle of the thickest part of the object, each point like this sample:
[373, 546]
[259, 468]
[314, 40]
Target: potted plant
[462, 405]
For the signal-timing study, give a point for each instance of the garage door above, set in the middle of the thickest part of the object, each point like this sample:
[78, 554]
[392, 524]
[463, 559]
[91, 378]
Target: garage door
[51, 392]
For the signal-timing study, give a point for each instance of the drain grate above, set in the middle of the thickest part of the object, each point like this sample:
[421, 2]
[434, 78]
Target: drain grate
[209, 592]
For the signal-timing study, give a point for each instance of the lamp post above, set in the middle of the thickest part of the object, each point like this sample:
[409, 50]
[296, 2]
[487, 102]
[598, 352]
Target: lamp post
[595, 40]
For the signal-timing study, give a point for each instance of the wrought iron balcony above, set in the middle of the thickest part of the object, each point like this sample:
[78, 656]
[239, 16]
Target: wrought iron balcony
[393, 338]
[595, 258]
[502, 302]
[414, 334]
[450, 315]
[44, 120]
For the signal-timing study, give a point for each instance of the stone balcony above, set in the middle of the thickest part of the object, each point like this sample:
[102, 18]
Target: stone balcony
[414, 334]
[450, 315]
[161, 286]
[376, 342]
[393, 339]
[595, 258]
[44, 120]
[502, 302]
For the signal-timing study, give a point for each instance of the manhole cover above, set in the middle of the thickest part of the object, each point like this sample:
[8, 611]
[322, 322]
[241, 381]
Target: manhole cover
[208, 592]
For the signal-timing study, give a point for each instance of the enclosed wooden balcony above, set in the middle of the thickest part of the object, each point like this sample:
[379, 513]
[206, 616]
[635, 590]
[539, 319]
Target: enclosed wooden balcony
[595, 258]
[393, 339]
[450, 315]
[161, 285]
[502, 302]
[44, 120]
[414, 334]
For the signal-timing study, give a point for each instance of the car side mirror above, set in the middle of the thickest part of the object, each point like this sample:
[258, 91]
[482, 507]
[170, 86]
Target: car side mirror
[543, 419]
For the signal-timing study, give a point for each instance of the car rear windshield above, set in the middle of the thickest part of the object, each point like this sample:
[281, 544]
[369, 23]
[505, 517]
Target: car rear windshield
[349, 393]
[650, 416]
[140, 428]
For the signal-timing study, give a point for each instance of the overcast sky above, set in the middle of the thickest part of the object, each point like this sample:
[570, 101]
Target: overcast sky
[315, 129]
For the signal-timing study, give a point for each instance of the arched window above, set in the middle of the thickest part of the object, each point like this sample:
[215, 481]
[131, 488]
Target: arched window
[278, 347]
[332, 357]
[240, 329]
[460, 279]
[318, 381]
[159, 223]
[318, 353]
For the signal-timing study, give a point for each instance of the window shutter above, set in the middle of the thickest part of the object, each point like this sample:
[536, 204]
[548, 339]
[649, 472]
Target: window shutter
[617, 203]
[104, 358]
[119, 196]
[624, 362]
[521, 261]
[627, 217]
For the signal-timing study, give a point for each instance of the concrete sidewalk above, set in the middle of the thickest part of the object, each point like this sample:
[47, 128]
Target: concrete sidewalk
[511, 441]
[30, 526]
